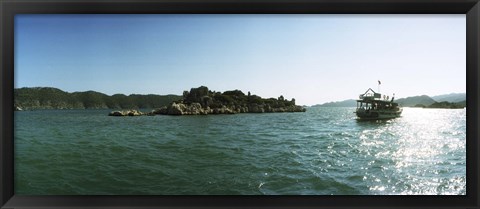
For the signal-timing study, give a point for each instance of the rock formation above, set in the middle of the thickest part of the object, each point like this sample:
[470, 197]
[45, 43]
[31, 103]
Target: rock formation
[126, 113]
[201, 101]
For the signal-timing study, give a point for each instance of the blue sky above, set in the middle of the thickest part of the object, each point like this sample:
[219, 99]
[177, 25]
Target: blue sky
[312, 58]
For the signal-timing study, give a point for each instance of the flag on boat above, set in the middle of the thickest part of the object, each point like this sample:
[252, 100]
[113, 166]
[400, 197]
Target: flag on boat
[379, 82]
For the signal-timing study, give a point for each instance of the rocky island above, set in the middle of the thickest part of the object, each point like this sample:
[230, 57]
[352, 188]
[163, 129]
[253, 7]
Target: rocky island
[202, 101]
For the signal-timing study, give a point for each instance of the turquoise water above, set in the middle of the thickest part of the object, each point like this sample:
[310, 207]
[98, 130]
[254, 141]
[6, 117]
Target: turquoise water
[320, 152]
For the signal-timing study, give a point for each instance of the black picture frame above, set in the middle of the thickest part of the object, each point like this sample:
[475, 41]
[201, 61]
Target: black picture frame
[9, 8]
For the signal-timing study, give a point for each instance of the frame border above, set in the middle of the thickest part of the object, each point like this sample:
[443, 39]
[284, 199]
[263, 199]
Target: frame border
[9, 8]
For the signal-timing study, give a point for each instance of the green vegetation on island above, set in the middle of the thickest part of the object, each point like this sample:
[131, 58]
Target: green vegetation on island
[52, 98]
[201, 101]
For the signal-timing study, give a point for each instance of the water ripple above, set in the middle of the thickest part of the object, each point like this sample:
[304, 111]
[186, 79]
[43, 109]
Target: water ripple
[321, 152]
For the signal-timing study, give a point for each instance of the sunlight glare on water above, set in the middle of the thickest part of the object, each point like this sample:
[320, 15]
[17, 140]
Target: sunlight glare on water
[419, 147]
[324, 151]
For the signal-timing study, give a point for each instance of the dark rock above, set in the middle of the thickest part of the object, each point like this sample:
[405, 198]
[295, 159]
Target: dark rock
[160, 111]
[126, 113]
[201, 101]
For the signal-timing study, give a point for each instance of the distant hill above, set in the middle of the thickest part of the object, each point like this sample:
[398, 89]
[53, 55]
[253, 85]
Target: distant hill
[457, 100]
[345, 103]
[449, 105]
[453, 97]
[412, 101]
[405, 102]
[462, 103]
[53, 98]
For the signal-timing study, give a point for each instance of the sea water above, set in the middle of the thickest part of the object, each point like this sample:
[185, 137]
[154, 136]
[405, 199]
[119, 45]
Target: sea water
[322, 151]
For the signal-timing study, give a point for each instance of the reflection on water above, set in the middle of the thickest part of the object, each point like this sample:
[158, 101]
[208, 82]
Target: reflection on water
[323, 151]
[420, 146]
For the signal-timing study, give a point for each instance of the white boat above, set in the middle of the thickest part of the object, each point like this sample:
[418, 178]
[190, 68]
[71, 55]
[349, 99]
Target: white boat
[374, 106]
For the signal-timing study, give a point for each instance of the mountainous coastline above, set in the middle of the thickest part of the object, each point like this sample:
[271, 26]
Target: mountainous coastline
[415, 100]
[35, 98]
[197, 101]
[453, 97]
[453, 100]
[52, 98]
[345, 103]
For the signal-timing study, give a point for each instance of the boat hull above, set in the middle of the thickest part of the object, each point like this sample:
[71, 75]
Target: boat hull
[378, 115]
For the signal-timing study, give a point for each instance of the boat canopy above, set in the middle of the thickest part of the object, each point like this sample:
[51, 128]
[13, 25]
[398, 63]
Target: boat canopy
[370, 95]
